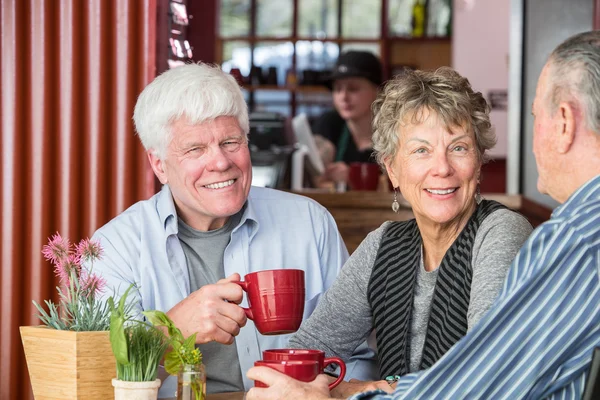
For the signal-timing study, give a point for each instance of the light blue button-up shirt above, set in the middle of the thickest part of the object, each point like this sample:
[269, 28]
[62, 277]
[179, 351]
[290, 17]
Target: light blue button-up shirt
[277, 230]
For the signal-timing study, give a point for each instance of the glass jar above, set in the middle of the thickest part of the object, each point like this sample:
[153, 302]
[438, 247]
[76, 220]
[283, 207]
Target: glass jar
[191, 382]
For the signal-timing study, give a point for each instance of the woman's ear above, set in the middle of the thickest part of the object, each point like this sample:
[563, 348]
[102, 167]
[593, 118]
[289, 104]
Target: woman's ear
[157, 166]
[391, 173]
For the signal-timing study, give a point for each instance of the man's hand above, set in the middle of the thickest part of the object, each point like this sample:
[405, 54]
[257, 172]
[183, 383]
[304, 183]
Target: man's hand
[285, 388]
[347, 389]
[212, 312]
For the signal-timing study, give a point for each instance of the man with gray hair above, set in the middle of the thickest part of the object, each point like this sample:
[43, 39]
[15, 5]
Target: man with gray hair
[537, 340]
[207, 227]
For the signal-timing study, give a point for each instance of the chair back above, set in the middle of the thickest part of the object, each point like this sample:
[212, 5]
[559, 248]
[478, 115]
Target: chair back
[592, 385]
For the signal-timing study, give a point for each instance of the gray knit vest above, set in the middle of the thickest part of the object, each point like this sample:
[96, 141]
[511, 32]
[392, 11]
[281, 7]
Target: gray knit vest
[391, 289]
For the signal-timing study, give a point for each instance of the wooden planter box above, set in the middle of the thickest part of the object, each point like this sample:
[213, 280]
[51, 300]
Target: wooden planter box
[69, 365]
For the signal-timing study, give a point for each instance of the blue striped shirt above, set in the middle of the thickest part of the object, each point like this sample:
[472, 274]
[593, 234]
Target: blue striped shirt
[536, 341]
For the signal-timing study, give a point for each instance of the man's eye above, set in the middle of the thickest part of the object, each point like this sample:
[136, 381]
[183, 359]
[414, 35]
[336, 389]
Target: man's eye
[231, 145]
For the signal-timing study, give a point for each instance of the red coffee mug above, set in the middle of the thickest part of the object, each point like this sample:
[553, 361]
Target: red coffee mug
[307, 354]
[276, 300]
[363, 176]
[302, 370]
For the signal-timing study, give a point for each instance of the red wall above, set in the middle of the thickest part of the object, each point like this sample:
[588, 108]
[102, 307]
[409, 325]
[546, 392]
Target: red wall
[70, 72]
[202, 29]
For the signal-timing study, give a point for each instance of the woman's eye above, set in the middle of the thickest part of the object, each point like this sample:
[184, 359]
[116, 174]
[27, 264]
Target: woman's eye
[421, 150]
[459, 148]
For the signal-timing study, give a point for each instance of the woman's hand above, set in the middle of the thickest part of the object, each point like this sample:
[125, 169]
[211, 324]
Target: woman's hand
[326, 149]
[347, 389]
[282, 387]
[337, 172]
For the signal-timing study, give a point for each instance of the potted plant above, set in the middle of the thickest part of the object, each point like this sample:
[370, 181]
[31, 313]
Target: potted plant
[184, 359]
[138, 348]
[69, 357]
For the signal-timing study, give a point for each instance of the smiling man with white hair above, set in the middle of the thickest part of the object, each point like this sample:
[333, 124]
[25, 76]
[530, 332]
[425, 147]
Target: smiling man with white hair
[207, 227]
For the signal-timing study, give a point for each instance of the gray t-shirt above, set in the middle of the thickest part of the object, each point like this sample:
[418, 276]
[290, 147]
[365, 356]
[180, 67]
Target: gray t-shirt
[204, 257]
[343, 318]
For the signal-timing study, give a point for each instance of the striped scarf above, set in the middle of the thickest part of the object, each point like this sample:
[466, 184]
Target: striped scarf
[391, 288]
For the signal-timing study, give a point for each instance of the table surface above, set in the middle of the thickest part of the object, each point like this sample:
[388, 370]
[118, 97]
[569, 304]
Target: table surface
[226, 396]
[220, 396]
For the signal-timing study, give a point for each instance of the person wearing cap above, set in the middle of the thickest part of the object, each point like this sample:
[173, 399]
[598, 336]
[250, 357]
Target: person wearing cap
[344, 134]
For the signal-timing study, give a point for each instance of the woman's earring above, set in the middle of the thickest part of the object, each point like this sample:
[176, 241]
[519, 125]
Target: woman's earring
[395, 204]
[478, 197]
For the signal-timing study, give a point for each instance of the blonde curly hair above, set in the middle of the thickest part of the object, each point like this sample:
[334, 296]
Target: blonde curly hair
[408, 98]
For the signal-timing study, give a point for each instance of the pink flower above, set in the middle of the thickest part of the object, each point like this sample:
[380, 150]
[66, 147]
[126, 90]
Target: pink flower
[57, 249]
[89, 250]
[68, 268]
[91, 284]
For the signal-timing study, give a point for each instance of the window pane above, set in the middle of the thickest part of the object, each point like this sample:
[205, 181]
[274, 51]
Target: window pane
[313, 104]
[439, 18]
[272, 101]
[361, 46]
[317, 18]
[400, 14]
[234, 18]
[361, 19]
[276, 55]
[314, 60]
[274, 18]
[236, 54]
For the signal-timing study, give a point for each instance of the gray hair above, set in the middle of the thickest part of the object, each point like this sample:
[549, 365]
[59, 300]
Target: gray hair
[196, 92]
[407, 98]
[575, 74]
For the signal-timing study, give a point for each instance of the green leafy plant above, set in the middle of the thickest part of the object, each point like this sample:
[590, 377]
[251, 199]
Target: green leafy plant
[79, 307]
[184, 351]
[138, 347]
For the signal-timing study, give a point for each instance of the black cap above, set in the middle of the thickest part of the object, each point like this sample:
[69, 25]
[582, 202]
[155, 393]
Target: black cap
[360, 64]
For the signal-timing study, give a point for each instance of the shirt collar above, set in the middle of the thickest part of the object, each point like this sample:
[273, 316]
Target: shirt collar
[251, 215]
[590, 189]
[168, 213]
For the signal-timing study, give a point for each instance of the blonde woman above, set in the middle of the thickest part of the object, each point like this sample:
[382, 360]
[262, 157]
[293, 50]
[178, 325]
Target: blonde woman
[422, 284]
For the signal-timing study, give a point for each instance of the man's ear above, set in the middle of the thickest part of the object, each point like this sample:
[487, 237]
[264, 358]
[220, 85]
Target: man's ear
[567, 127]
[157, 166]
[390, 172]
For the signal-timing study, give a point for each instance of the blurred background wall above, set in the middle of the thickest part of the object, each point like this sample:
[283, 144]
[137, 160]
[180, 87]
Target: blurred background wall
[547, 23]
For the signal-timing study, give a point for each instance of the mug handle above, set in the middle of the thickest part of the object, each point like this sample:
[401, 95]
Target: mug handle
[342, 364]
[244, 286]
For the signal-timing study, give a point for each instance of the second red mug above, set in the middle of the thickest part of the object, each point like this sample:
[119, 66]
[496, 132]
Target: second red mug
[302, 370]
[307, 354]
[275, 299]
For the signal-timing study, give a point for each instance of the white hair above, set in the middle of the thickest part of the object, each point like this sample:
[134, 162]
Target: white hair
[197, 92]
[575, 75]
